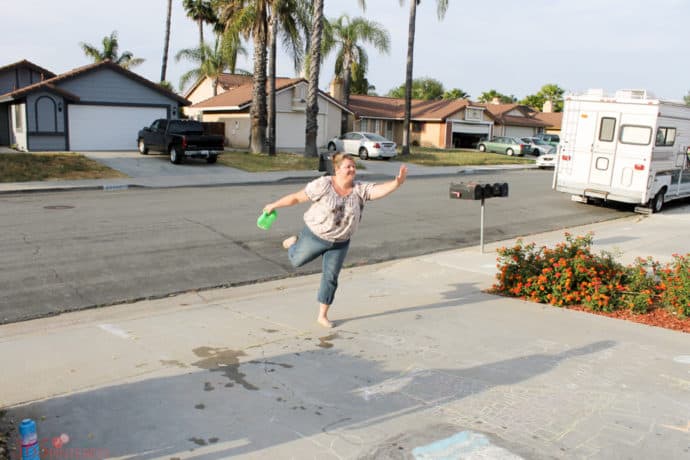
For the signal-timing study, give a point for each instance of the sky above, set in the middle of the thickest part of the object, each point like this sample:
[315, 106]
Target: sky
[513, 47]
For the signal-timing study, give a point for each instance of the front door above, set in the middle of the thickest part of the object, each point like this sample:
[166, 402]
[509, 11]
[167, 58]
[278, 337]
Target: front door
[4, 124]
[604, 148]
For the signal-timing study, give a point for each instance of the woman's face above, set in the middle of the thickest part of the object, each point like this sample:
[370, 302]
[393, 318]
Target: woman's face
[347, 168]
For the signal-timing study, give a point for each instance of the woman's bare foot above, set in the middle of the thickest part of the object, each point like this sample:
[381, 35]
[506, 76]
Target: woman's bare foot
[322, 319]
[325, 322]
[287, 242]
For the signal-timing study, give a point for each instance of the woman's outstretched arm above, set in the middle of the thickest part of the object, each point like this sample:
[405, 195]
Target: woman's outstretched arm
[386, 188]
[288, 200]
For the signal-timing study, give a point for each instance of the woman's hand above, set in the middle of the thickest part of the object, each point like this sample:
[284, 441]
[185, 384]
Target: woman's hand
[402, 174]
[269, 208]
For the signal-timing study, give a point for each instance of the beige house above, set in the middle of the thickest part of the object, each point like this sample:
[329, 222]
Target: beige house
[231, 107]
[458, 123]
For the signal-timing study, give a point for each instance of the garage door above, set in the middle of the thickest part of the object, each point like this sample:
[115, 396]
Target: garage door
[290, 130]
[102, 127]
[518, 131]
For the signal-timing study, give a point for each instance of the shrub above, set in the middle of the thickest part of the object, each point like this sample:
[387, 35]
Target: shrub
[570, 274]
[674, 285]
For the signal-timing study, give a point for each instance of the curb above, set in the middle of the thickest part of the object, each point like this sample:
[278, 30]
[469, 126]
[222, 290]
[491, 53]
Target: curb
[282, 180]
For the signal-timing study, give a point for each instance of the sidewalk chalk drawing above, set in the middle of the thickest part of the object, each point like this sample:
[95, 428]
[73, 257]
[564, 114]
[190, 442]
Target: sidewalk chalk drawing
[463, 445]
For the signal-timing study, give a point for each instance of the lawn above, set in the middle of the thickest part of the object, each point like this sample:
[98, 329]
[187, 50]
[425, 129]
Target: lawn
[24, 167]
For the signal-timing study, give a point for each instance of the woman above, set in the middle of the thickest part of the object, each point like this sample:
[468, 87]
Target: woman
[330, 222]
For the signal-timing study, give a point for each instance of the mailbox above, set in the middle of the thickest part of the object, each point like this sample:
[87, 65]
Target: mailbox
[476, 191]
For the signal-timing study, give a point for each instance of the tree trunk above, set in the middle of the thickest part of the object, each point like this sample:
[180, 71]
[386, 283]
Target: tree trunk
[408, 78]
[312, 127]
[166, 42]
[201, 34]
[271, 137]
[257, 113]
[347, 79]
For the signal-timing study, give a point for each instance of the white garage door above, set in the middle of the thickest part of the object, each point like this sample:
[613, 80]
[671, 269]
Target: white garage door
[290, 130]
[103, 127]
[518, 131]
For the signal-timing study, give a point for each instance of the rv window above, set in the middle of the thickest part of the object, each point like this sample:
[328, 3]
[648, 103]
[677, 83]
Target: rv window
[607, 129]
[665, 136]
[638, 135]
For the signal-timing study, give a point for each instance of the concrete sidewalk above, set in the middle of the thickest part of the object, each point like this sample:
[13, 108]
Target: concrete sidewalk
[422, 364]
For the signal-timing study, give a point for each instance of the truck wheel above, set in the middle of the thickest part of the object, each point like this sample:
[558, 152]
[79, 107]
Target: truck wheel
[212, 159]
[175, 156]
[657, 202]
[142, 147]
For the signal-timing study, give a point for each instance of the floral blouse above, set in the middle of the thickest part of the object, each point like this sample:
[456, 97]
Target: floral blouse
[333, 217]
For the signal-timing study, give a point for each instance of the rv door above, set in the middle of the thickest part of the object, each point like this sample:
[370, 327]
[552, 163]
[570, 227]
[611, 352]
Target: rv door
[604, 148]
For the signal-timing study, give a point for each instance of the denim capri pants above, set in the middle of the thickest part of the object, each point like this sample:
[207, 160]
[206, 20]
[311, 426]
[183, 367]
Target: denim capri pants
[308, 247]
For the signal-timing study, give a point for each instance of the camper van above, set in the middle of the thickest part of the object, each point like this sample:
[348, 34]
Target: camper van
[629, 148]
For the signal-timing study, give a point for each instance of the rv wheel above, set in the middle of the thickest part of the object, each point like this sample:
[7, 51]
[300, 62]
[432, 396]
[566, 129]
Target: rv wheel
[658, 201]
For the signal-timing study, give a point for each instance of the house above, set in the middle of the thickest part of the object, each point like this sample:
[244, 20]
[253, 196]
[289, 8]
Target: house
[457, 123]
[231, 106]
[99, 106]
[552, 120]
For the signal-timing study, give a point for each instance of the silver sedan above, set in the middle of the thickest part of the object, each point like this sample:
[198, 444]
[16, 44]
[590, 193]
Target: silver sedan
[364, 145]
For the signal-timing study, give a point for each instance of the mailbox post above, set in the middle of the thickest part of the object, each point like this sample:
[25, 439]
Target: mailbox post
[476, 191]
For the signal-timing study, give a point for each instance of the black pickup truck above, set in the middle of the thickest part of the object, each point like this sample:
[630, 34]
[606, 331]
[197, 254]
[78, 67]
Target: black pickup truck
[180, 139]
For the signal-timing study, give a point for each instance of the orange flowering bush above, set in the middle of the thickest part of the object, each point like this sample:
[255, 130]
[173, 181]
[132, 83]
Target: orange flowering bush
[674, 285]
[570, 274]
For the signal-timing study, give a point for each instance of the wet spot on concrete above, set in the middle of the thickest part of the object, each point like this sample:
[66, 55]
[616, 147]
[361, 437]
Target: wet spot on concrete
[213, 440]
[417, 316]
[198, 441]
[325, 342]
[208, 386]
[270, 331]
[200, 406]
[172, 362]
[224, 361]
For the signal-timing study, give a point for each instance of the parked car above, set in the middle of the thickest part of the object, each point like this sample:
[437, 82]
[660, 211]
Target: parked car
[552, 139]
[364, 145]
[180, 139]
[538, 146]
[546, 160]
[508, 145]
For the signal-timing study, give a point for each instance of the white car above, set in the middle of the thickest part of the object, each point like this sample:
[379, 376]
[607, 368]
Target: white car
[364, 145]
[547, 160]
[537, 146]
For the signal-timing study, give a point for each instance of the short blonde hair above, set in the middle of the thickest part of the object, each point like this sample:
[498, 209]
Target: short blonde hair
[339, 157]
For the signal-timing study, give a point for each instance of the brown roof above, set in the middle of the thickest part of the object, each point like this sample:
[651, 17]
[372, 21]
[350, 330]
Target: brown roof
[227, 81]
[28, 64]
[552, 119]
[241, 96]
[500, 113]
[394, 108]
[89, 68]
[44, 86]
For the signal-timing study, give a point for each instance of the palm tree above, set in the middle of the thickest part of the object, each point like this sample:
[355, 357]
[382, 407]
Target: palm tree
[166, 42]
[211, 63]
[347, 34]
[110, 51]
[314, 65]
[250, 17]
[441, 7]
[284, 20]
[202, 12]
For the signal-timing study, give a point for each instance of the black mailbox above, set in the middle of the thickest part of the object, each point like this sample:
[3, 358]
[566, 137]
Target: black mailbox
[476, 191]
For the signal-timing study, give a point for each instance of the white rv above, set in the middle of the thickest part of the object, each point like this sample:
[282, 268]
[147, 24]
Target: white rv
[629, 148]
